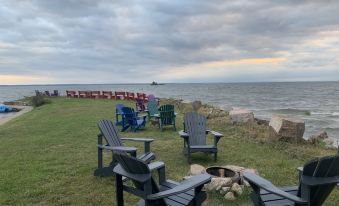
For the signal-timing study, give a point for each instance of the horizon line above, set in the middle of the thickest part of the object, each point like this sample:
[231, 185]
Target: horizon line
[244, 82]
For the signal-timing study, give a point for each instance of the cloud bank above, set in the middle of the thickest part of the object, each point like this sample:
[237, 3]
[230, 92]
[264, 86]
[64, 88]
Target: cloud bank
[72, 41]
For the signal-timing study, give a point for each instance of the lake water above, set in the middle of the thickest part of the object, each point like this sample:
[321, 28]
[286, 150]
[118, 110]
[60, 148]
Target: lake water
[315, 102]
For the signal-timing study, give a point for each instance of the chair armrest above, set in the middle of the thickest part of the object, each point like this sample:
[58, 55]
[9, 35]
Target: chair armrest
[260, 182]
[147, 142]
[138, 139]
[186, 185]
[315, 181]
[137, 177]
[183, 134]
[216, 134]
[156, 165]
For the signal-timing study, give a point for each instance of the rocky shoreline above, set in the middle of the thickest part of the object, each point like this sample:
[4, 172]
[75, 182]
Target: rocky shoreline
[280, 127]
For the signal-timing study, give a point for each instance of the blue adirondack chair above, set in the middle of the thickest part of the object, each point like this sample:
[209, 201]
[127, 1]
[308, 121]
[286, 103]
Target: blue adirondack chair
[131, 119]
[119, 112]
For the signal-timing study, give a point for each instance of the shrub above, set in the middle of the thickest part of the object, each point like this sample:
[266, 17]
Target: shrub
[38, 101]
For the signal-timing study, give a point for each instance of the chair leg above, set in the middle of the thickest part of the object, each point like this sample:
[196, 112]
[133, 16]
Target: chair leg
[188, 157]
[119, 190]
[215, 156]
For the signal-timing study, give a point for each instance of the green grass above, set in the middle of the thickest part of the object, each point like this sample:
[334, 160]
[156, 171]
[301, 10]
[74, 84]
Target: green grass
[48, 156]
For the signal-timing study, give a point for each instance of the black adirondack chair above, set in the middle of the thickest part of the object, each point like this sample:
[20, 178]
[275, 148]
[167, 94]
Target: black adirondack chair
[316, 181]
[132, 120]
[167, 192]
[110, 133]
[195, 134]
[166, 116]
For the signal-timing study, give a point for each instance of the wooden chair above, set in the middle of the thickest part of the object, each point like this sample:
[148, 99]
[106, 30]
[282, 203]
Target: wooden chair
[140, 105]
[151, 97]
[166, 116]
[141, 96]
[84, 94]
[119, 112]
[120, 95]
[316, 181]
[195, 134]
[131, 120]
[152, 110]
[71, 94]
[55, 93]
[47, 94]
[130, 96]
[110, 133]
[107, 94]
[95, 94]
[166, 193]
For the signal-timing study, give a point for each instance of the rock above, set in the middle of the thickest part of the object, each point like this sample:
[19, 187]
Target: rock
[317, 138]
[241, 116]
[286, 128]
[196, 105]
[196, 169]
[229, 196]
[234, 168]
[237, 189]
[330, 144]
[224, 190]
[218, 182]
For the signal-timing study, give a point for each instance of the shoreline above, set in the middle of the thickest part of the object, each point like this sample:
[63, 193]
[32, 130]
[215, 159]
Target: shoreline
[9, 116]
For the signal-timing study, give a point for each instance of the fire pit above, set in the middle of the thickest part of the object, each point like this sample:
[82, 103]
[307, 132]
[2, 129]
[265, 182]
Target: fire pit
[217, 171]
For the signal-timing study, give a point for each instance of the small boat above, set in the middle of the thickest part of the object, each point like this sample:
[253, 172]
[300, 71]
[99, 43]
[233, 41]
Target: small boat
[155, 83]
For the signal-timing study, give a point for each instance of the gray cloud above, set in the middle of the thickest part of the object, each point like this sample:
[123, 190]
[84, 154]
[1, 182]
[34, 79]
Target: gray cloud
[121, 41]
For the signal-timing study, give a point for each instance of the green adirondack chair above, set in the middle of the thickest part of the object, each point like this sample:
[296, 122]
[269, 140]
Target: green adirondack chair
[152, 110]
[166, 116]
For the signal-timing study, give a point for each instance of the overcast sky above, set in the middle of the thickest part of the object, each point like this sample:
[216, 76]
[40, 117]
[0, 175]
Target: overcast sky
[74, 41]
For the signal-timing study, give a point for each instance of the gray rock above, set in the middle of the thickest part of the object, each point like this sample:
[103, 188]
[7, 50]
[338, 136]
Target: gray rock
[286, 128]
[229, 196]
[241, 116]
[237, 189]
[196, 169]
[224, 190]
[218, 182]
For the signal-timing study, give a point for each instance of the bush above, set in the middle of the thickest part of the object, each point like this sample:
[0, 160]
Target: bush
[38, 101]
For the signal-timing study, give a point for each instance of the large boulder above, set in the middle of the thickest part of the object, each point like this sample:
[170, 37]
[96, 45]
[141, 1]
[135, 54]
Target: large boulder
[238, 115]
[286, 128]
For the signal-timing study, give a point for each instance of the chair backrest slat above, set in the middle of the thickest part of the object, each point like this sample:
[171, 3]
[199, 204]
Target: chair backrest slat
[110, 132]
[195, 126]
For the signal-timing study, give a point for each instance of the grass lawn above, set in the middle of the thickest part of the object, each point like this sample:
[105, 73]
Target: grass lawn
[48, 156]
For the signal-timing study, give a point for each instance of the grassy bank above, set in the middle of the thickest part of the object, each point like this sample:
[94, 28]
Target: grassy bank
[48, 155]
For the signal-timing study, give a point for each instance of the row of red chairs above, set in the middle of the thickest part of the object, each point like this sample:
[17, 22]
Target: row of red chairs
[106, 95]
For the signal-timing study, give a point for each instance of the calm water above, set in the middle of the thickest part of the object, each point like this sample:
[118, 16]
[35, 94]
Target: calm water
[315, 102]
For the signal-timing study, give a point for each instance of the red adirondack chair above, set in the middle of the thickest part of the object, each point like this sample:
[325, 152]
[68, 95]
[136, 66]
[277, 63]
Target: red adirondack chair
[84, 94]
[71, 94]
[141, 96]
[120, 95]
[107, 94]
[95, 94]
[130, 96]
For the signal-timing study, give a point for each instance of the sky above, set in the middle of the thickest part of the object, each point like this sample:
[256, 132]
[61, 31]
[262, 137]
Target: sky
[127, 41]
